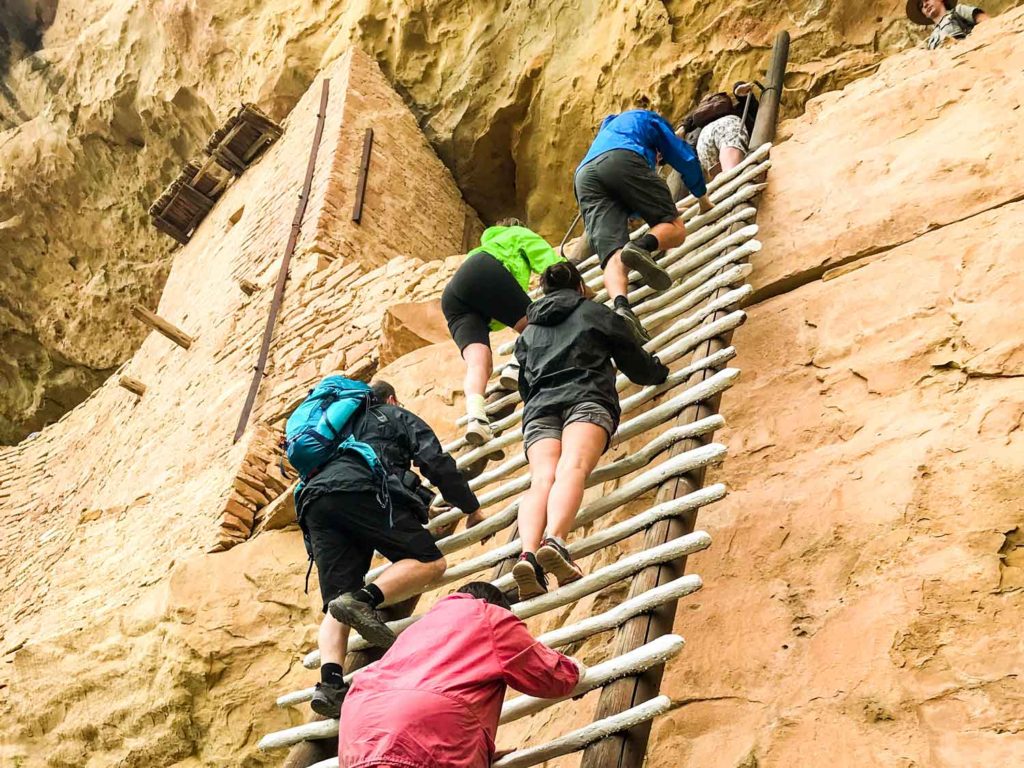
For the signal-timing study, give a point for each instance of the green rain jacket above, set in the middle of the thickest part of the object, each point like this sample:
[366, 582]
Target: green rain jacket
[521, 251]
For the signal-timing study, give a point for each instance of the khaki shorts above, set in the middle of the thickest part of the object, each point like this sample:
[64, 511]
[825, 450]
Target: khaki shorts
[551, 426]
[726, 131]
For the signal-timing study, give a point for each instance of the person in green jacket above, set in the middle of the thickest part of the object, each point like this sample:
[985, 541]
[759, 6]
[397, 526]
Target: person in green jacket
[488, 292]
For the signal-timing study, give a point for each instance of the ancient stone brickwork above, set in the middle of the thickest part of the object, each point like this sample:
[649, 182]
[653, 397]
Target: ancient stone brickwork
[332, 325]
[160, 472]
[405, 180]
[413, 215]
[862, 604]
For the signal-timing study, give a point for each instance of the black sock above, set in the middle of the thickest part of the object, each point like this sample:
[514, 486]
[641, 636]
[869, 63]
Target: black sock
[621, 302]
[332, 674]
[369, 594]
[648, 242]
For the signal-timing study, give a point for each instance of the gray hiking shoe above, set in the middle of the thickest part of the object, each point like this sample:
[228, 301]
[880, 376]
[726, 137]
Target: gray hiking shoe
[529, 577]
[327, 699]
[363, 618]
[509, 377]
[634, 324]
[478, 431]
[635, 257]
[556, 560]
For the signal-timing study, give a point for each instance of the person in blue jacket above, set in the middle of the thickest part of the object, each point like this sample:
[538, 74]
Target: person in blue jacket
[616, 180]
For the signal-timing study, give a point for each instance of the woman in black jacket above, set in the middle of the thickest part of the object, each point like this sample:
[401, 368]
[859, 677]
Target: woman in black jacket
[570, 411]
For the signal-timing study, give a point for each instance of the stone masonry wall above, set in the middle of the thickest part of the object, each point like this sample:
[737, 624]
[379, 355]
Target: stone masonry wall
[103, 511]
[343, 280]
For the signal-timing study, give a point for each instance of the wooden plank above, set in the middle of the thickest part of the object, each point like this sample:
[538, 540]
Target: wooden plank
[364, 169]
[171, 229]
[161, 326]
[282, 275]
[628, 749]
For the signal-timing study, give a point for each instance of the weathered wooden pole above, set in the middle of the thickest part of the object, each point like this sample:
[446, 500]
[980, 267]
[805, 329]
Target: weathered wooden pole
[132, 385]
[364, 173]
[282, 275]
[628, 749]
[161, 326]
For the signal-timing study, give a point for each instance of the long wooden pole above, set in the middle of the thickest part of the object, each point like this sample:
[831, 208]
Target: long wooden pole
[161, 326]
[282, 275]
[364, 172]
[628, 749]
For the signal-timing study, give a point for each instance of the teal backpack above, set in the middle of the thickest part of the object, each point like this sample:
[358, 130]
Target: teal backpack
[320, 429]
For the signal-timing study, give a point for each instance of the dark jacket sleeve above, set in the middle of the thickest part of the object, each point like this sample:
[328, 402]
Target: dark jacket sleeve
[639, 365]
[520, 355]
[436, 465]
[680, 156]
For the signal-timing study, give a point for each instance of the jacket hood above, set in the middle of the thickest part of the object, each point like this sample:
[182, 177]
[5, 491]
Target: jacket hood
[554, 308]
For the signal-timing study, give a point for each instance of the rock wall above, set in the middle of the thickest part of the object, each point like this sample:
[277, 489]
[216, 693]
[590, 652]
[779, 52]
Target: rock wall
[107, 513]
[864, 591]
[862, 597]
[101, 103]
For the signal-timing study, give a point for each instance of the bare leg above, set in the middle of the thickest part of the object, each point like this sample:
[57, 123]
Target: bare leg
[543, 457]
[669, 234]
[478, 368]
[582, 446]
[332, 640]
[730, 157]
[616, 276]
[405, 578]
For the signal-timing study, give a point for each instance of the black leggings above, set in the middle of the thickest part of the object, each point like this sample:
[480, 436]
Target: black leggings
[481, 290]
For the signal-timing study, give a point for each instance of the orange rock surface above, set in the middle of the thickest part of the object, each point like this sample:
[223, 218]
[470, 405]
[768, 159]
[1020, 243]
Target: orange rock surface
[862, 599]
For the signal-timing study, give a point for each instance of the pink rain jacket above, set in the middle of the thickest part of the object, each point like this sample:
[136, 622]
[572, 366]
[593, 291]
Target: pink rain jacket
[434, 700]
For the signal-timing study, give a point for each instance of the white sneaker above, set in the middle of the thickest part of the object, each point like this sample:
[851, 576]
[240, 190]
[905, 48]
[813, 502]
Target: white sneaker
[478, 431]
[509, 376]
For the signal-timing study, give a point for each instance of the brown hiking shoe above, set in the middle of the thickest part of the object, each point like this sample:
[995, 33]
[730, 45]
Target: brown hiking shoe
[327, 699]
[529, 576]
[556, 560]
[635, 257]
[364, 618]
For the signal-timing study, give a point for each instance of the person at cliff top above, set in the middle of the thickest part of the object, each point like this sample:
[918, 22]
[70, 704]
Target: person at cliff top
[950, 21]
[570, 411]
[488, 292]
[435, 698]
[616, 179]
[340, 512]
[719, 127]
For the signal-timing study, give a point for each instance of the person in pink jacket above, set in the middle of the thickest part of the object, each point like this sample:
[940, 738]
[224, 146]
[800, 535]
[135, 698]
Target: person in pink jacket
[435, 697]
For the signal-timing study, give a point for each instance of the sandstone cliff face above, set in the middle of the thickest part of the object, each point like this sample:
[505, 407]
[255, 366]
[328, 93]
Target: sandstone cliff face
[862, 599]
[102, 102]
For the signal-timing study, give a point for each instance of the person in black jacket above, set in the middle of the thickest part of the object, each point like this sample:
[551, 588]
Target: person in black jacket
[570, 411]
[341, 513]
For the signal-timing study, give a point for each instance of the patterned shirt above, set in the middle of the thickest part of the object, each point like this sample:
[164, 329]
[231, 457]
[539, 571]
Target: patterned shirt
[956, 24]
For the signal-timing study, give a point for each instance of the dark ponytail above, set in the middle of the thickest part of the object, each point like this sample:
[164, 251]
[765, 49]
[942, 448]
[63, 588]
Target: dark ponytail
[561, 276]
